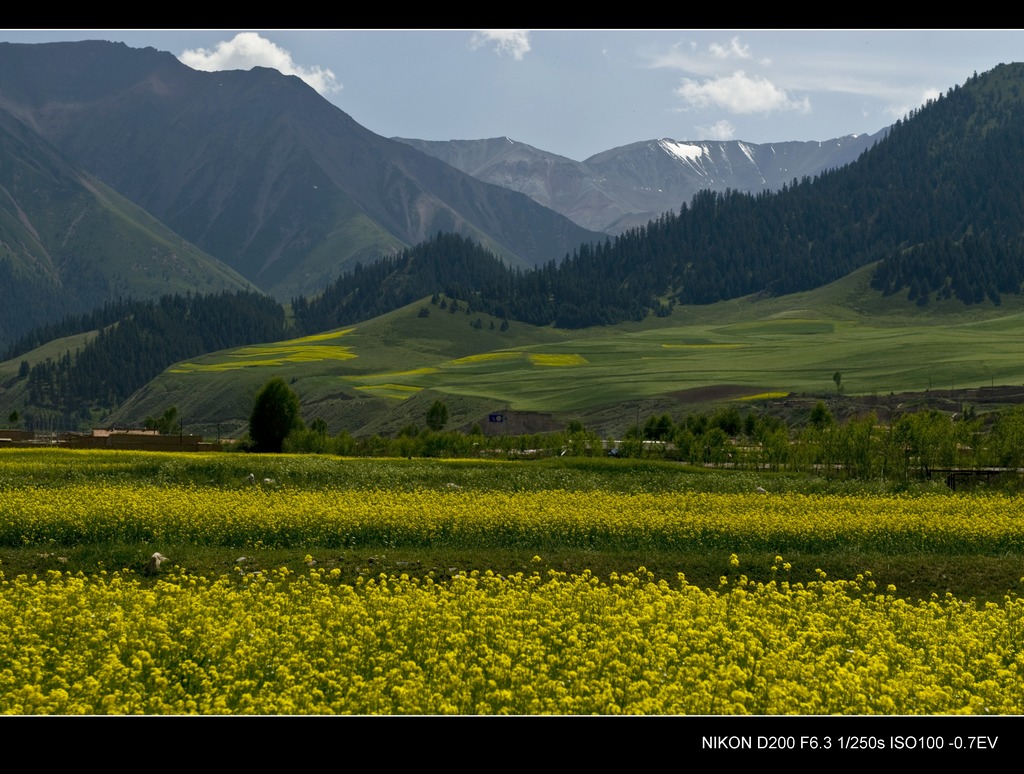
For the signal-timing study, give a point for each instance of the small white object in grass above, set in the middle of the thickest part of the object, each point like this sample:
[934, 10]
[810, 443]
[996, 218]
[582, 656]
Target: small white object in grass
[153, 566]
[761, 490]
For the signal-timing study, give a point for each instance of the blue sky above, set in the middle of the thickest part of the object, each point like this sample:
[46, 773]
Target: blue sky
[580, 92]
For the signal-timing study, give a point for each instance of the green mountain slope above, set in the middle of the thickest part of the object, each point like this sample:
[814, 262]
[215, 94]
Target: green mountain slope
[382, 374]
[256, 168]
[68, 242]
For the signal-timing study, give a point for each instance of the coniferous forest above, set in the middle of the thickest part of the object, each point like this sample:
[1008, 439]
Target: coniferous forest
[127, 354]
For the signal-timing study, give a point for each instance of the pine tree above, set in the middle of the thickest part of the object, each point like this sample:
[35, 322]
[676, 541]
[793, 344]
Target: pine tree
[437, 416]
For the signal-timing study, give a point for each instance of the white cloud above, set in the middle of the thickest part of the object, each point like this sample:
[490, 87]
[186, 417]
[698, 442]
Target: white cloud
[901, 111]
[720, 130]
[514, 42]
[247, 50]
[679, 56]
[739, 93]
[693, 59]
[735, 50]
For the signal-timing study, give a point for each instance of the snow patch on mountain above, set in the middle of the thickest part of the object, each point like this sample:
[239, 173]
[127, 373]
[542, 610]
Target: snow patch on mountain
[683, 151]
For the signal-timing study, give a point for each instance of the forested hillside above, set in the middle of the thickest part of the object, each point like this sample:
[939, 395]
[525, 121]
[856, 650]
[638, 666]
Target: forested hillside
[960, 165]
[465, 271]
[153, 335]
[939, 202]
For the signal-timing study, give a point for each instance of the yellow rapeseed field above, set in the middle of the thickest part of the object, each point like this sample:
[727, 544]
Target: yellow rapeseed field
[485, 644]
[282, 642]
[126, 512]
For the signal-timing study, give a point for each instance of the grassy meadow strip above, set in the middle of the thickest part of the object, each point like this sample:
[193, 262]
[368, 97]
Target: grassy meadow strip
[598, 520]
[483, 644]
[47, 467]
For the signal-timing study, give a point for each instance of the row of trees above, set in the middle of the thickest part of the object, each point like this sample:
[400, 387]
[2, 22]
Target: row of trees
[911, 445]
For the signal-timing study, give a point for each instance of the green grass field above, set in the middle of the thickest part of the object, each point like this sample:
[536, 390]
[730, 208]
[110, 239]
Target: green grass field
[380, 375]
[774, 346]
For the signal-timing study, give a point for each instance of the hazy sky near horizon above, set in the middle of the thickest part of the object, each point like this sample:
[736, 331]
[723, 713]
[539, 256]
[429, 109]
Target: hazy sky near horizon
[580, 92]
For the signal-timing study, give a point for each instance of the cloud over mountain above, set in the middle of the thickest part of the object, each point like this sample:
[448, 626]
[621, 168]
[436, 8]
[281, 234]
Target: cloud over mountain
[248, 50]
[739, 93]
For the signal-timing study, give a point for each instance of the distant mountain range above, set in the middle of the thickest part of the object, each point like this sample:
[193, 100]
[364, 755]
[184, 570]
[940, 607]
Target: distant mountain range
[252, 167]
[125, 173]
[628, 186]
[250, 178]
